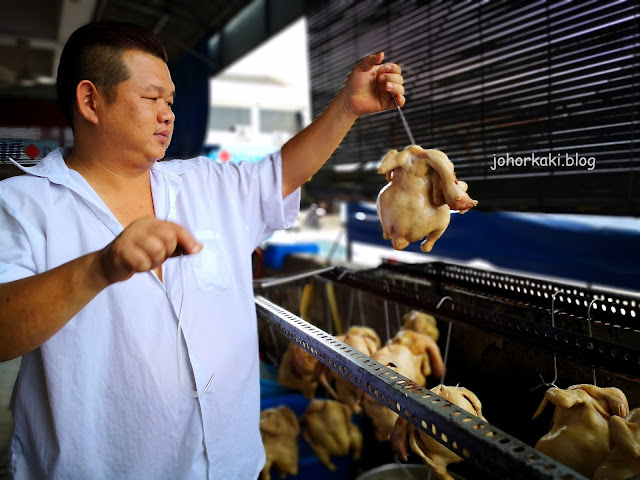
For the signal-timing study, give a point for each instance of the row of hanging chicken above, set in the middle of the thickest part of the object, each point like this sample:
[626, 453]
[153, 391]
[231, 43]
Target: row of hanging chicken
[593, 430]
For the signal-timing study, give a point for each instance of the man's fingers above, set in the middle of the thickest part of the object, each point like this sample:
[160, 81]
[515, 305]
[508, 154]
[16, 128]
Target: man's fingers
[370, 61]
[392, 68]
[156, 247]
[144, 245]
[186, 241]
[394, 88]
[392, 78]
[136, 260]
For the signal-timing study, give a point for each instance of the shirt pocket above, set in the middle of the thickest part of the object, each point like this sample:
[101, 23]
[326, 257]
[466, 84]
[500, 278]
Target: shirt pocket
[210, 266]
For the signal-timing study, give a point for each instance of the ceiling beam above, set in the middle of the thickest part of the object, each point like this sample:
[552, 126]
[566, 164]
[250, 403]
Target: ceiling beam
[34, 42]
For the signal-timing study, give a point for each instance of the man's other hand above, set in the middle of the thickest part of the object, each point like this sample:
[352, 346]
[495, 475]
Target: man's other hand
[145, 245]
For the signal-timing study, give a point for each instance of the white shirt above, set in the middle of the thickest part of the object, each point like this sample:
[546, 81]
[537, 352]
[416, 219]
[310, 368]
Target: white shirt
[101, 399]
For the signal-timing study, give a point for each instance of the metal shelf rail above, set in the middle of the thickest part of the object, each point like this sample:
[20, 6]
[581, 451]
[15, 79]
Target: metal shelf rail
[599, 305]
[520, 322]
[474, 440]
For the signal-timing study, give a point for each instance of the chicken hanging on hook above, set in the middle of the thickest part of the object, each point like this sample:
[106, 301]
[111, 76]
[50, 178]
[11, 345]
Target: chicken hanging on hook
[417, 201]
[579, 436]
[434, 454]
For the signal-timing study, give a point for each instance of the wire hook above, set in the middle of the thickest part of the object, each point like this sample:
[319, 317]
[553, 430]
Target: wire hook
[404, 121]
[553, 310]
[442, 301]
[398, 318]
[593, 368]
[352, 301]
[361, 309]
[386, 319]
[555, 357]
[446, 345]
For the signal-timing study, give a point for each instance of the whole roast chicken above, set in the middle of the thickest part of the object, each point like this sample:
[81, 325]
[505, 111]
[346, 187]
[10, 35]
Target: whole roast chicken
[434, 454]
[400, 359]
[279, 429]
[579, 435]
[417, 200]
[345, 391]
[296, 370]
[368, 333]
[422, 323]
[426, 349]
[328, 428]
[624, 460]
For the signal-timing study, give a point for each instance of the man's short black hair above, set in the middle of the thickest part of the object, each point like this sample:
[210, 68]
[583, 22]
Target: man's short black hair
[94, 52]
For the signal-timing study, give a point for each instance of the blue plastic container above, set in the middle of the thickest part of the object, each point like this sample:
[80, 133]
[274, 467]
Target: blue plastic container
[275, 254]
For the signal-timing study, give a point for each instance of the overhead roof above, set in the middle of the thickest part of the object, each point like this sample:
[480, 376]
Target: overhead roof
[33, 32]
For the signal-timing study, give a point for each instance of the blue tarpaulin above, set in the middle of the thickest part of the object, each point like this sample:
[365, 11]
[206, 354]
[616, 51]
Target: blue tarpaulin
[588, 248]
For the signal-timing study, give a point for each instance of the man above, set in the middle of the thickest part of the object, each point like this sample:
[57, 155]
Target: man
[100, 393]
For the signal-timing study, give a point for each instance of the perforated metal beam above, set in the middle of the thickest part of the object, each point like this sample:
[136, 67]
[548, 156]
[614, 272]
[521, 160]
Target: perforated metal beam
[609, 307]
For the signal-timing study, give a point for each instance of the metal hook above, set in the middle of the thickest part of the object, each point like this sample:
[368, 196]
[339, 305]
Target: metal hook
[386, 319]
[555, 357]
[386, 310]
[553, 310]
[442, 300]
[352, 301]
[275, 345]
[398, 319]
[593, 368]
[361, 309]
[589, 317]
[446, 345]
[404, 121]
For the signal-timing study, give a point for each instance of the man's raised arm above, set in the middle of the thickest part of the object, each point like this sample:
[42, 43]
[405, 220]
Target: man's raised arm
[368, 89]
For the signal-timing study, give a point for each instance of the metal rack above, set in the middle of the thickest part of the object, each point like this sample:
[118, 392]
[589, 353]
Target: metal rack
[535, 325]
[592, 326]
[601, 306]
[476, 441]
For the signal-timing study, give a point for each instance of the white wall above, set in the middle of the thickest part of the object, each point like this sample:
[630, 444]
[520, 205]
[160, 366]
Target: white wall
[273, 76]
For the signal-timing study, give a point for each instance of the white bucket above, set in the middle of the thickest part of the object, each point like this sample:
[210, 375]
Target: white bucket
[401, 471]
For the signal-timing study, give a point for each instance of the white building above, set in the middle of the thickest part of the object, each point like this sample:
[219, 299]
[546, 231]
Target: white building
[262, 100]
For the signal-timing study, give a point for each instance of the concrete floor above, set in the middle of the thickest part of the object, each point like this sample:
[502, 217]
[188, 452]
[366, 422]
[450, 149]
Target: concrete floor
[8, 373]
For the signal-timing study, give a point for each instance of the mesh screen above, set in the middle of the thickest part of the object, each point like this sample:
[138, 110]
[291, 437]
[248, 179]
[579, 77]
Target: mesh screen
[493, 84]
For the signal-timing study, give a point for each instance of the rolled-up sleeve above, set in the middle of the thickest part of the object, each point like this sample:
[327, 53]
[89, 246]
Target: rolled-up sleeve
[279, 213]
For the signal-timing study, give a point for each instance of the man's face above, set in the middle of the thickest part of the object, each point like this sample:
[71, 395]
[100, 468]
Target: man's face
[138, 125]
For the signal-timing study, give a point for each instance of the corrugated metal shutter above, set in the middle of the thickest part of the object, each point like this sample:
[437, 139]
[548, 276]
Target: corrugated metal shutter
[541, 79]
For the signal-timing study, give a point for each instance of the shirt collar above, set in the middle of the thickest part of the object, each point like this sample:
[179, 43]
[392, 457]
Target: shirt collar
[54, 168]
